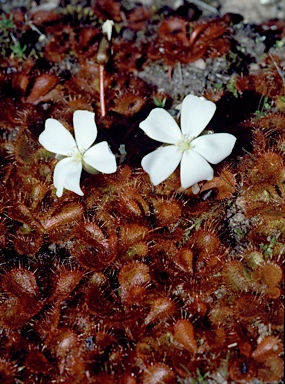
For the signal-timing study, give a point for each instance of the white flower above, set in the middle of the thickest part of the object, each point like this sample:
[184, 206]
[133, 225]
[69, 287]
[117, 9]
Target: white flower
[57, 139]
[186, 147]
[107, 28]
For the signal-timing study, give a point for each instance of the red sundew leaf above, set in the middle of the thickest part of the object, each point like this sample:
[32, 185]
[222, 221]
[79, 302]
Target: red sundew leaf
[42, 85]
[133, 279]
[158, 373]
[270, 346]
[184, 335]
[70, 212]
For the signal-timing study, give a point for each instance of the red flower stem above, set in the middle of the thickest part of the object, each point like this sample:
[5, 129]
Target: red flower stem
[102, 94]
[170, 68]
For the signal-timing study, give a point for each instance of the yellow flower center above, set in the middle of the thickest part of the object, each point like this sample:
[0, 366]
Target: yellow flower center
[77, 155]
[185, 143]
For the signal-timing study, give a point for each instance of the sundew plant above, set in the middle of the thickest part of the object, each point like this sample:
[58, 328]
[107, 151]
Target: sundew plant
[142, 230]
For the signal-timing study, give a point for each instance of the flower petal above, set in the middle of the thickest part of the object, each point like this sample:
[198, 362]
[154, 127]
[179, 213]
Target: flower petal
[101, 158]
[214, 148]
[160, 163]
[107, 28]
[57, 139]
[160, 126]
[66, 175]
[194, 168]
[196, 113]
[85, 129]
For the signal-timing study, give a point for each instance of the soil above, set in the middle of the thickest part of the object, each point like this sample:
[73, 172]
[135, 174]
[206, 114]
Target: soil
[135, 283]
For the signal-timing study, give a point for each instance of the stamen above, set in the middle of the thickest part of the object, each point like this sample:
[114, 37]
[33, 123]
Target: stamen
[185, 143]
[77, 155]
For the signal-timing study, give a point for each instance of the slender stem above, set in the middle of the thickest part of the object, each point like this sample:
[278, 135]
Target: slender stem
[180, 72]
[170, 69]
[102, 94]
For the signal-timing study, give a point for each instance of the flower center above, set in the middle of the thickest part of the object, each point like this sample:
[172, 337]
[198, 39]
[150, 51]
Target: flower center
[185, 143]
[77, 155]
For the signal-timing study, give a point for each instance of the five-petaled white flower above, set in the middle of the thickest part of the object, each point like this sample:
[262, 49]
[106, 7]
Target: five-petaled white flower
[57, 139]
[186, 147]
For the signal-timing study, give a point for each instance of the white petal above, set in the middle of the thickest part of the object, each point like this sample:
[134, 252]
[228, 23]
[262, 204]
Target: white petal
[107, 28]
[196, 113]
[160, 126]
[214, 148]
[57, 139]
[194, 168]
[85, 129]
[160, 163]
[66, 175]
[101, 158]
